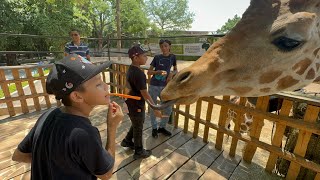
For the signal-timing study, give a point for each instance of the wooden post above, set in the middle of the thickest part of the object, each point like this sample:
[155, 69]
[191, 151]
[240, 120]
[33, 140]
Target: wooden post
[278, 135]
[176, 116]
[43, 83]
[239, 119]
[186, 119]
[16, 76]
[311, 115]
[208, 119]
[6, 92]
[222, 123]
[33, 89]
[196, 122]
[112, 88]
[257, 124]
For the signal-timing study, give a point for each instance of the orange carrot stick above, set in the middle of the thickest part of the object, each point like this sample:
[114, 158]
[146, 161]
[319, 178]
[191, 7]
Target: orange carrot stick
[126, 96]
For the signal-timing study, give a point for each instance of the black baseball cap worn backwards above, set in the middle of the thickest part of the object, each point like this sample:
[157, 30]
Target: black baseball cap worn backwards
[136, 51]
[67, 74]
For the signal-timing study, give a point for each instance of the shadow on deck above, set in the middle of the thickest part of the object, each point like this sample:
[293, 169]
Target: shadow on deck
[177, 157]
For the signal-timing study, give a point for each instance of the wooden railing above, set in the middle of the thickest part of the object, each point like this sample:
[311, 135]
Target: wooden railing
[203, 118]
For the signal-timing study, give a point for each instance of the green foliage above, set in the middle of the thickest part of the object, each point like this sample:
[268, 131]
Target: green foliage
[134, 20]
[170, 14]
[229, 25]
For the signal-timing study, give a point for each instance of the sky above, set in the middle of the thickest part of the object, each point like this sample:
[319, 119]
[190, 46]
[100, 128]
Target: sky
[210, 15]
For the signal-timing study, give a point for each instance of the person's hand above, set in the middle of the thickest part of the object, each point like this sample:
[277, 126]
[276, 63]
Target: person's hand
[115, 115]
[169, 78]
[158, 113]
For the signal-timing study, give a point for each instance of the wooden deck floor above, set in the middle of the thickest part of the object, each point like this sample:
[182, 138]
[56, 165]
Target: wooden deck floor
[176, 157]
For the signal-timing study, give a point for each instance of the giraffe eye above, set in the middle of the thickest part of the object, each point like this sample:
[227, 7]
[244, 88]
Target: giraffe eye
[286, 44]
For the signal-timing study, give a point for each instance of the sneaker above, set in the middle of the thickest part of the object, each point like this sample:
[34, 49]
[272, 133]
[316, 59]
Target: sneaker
[164, 131]
[142, 154]
[154, 133]
[126, 143]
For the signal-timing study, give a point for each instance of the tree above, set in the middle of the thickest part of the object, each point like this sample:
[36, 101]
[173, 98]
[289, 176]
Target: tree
[170, 14]
[134, 20]
[229, 25]
[99, 16]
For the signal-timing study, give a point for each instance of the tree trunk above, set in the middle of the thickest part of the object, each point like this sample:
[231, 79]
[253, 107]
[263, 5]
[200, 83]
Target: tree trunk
[118, 28]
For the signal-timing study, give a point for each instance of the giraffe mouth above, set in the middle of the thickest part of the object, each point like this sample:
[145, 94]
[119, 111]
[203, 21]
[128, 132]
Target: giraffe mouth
[161, 106]
[182, 100]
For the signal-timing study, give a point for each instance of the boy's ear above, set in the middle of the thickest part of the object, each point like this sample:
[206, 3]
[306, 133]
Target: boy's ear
[76, 96]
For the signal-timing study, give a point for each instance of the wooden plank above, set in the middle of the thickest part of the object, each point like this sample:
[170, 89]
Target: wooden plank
[239, 120]
[176, 116]
[198, 164]
[43, 83]
[208, 119]
[186, 119]
[174, 161]
[222, 123]
[24, 176]
[311, 115]
[139, 167]
[252, 171]
[222, 167]
[33, 90]
[24, 106]
[6, 92]
[121, 174]
[121, 80]
[196, 122]
[278, 135]
[256, 127]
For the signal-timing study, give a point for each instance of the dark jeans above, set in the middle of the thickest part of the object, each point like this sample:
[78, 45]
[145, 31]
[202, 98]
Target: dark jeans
[136, 129]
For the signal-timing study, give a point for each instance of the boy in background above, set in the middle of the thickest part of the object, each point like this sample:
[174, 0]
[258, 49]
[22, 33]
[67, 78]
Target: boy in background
[160, 68]
[76, 46]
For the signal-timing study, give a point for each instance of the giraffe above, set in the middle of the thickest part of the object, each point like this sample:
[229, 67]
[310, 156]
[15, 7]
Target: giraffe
[275, 47]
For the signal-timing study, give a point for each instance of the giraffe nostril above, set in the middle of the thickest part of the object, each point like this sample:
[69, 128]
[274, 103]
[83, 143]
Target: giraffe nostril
[183, 77]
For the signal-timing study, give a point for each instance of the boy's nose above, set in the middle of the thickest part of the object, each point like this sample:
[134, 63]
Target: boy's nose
[106, 87]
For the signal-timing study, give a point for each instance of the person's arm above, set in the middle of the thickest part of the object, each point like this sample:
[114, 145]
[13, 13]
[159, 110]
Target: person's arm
[21, 157]
[24, 149]
[66, 50]
[175, 70]
[115, 115]
[88, 54]
[147, 96]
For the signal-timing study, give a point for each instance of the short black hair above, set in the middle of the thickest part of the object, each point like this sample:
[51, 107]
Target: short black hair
[66, 101]
[164, 41]
[74, 30]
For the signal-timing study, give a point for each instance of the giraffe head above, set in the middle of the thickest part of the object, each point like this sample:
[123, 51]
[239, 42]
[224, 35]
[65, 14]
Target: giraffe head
[275, 47]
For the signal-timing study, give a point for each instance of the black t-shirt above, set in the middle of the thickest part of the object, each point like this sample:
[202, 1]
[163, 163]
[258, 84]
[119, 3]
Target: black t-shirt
[67, 147]
[136, 81]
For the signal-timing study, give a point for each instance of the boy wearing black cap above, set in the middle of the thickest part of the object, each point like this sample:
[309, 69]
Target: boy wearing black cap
[63, 144]
[137, 84]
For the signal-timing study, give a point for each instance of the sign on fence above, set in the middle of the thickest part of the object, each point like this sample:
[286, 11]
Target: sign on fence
[192, 49]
